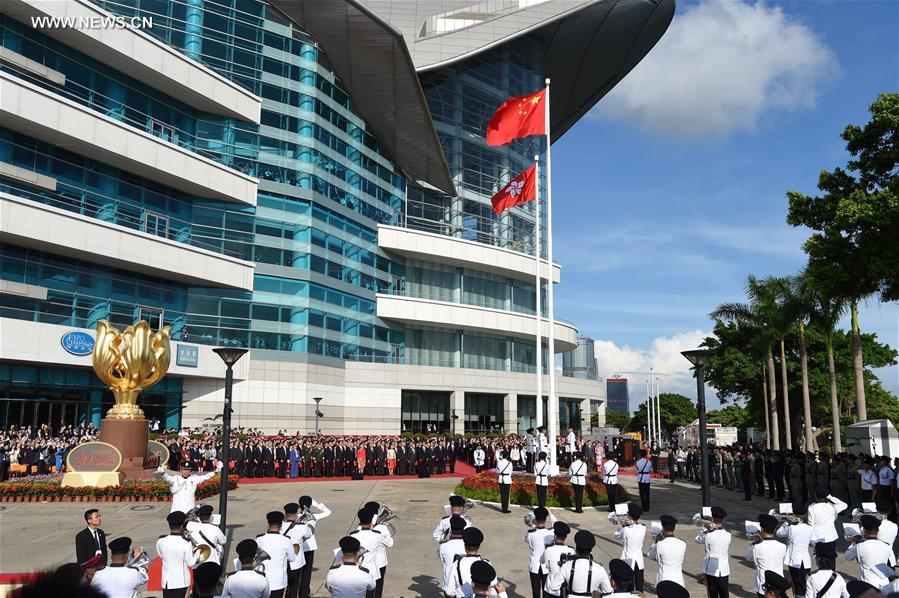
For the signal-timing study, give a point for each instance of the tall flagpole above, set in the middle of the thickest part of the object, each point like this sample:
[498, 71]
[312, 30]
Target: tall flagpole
[538, 317]
[553, 407]
[649, 423]
[659, 435]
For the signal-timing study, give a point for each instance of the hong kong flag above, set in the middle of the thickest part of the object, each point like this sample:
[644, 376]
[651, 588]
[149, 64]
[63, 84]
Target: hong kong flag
[518, 117]
[519, 190]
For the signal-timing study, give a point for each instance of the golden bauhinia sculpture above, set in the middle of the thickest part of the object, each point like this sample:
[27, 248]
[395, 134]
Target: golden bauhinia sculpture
[129, 362]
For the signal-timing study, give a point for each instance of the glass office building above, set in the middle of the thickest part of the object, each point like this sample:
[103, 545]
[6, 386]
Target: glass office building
[226, 173]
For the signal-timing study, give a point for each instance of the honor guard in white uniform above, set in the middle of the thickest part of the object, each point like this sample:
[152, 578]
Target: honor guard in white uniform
[530, 449]
[644, 479]
[542, 440]
[460, 575]
[581, 575]
[280, 548]
[871, 554]
[504, 478]
[541, 478]
[671, 589]
[552, 559]
[799, 537]
[826, 582]
[317, 511]
[117, 580]
[610, 479]
[632, 538]
[348, 579]
[822, 515]
[716, 564]
[205, 532]
[571, 442]
[297, 533]
[449, 548]
[372, 541]
[177, 556]
[480, 457]
[381, 555]
[775, 586]
[668, 552]
[621, 576]
[441, 530]
[246, 582]
[886, 533]
[577, 472]
[538, 538]
[184, 485]
[483, 582]
[766, 554]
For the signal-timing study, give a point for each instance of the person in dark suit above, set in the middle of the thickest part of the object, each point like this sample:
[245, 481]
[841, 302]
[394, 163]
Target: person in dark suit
[281, 457]
[91, 540]
[268, 461]
[329, 459]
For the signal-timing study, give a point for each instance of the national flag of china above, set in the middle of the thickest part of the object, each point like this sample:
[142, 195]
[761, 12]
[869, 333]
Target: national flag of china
[518, 117]
[519, 190]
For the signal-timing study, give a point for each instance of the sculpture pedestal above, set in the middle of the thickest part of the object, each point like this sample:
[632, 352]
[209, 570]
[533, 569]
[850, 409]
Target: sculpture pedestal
[130, 437]
[97, 479]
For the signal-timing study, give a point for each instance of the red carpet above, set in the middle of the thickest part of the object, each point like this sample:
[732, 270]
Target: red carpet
[462, 470]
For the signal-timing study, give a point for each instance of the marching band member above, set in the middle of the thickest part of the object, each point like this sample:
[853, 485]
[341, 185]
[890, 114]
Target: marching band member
[483, 582]
[826, 582]
[280, 549]
[310, 545]
[799, 537]
[246, 582]
[887, 531]
[208, 533]
[480, 457]
[206, 579]
[177, 556]
[373, 541]
[504, 477]
[184, 486]
[118, 580]
[537, 538]
[298, 533]
[632, 538]
[552, 560]
[775, 586]
[668, 551]
[450, 548]
[541, 478]
[715, 564]
[670, 589]
[872, 554]
[381, 555]
[766, 554]
[348, 579]
[472, 537]
[455, 503]
[577, 472]
[621, 576]
[822, 515]
[581, 574]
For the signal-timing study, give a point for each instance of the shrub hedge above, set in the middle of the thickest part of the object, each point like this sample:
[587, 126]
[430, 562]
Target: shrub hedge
[484, 486]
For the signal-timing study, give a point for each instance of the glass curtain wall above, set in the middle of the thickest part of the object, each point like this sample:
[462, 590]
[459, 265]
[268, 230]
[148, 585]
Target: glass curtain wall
[425, 412]
[483, 413]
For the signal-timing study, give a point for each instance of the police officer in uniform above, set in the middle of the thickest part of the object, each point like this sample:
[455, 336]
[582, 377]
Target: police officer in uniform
[298, 533]
[537, 538]
[177, 558]
[644, 477]
[348, 579]
[886, 533]
[766, 554]
[280, 549]
[480, 457]
[582, 576]
[117, 580]
[610, 479]
[374, 542]
[822, 515]
[483, 582]
[621, 577]
[872, 555]
[472, 537]
[504, 475]
[577, 472]
[205, 532]
[541, 478]
[310, 545]
[825, 582]
[799, 537]
[450, 548]
[441, 530]
[670, 589]
[552, 559]
[246, 582]
[668, 551]
[716, 564]
[387, 542]
[775, 586]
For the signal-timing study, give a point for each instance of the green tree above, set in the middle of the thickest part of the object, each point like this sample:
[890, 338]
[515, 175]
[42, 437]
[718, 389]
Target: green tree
[736, 416]
[674, 410]
[853, 251]
[617, 419]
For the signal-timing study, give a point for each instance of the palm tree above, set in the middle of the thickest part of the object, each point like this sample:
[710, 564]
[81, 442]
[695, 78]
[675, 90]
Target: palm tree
[785, 316]
[824, 312]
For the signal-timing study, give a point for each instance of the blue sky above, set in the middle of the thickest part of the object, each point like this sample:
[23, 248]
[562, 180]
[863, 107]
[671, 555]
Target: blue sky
[673, 189]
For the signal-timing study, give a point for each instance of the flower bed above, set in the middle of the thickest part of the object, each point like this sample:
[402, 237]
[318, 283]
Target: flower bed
[134, 491]
[484, 486]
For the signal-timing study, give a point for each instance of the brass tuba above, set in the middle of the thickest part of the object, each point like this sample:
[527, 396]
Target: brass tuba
[259, 561]
[385, 517]
[701, 522]
[620, 519]
[140, 561]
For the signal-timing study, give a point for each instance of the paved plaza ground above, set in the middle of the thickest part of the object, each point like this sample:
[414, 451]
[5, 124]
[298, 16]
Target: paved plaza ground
[35, 536]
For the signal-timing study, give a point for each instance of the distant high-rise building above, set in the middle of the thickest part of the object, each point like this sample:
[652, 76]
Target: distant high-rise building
[581, 362]
[617, 396]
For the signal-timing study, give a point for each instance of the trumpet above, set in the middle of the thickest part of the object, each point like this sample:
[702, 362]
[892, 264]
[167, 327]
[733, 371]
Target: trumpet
[701, 522]
[259, 561]
[204, 550]
[790, 518]
[858, 513]
[139, 561]
[620, 520]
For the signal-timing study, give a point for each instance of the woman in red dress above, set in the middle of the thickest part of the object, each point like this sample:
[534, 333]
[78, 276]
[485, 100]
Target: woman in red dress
[360, 459]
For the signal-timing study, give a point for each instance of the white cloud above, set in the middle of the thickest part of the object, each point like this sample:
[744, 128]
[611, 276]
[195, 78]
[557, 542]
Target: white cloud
[722, 67]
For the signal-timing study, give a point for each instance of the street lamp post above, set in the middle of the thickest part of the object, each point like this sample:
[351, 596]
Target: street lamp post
[318, 414]
[229, 356]
[700, 358]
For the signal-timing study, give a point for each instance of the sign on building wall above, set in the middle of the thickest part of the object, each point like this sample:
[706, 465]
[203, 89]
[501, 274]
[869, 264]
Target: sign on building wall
[188, 356]
[77, 343]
